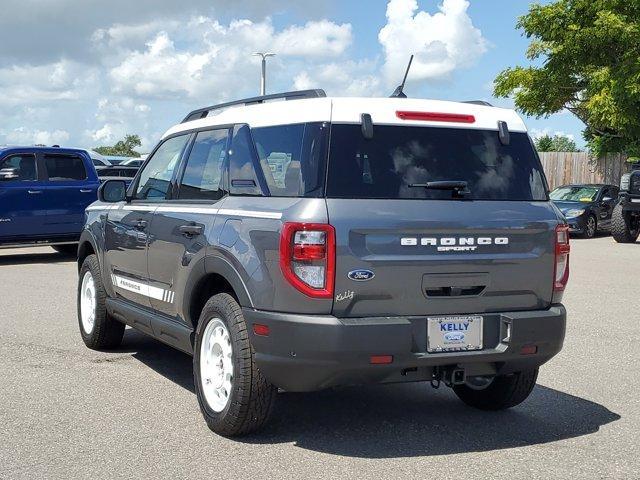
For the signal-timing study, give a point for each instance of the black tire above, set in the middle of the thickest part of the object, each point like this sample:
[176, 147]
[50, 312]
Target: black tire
[621, 226]
[66, 249]
[505, 391]
[252, 398]
[107, 332]
[590, 227]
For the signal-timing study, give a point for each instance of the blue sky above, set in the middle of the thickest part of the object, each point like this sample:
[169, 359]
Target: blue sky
[137, 67]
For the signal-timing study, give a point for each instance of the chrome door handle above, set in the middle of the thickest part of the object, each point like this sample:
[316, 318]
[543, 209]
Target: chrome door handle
[86, 190]
[191, 230]
[33, 192]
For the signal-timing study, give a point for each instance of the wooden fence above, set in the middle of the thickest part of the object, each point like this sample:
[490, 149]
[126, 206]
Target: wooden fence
[578, 167]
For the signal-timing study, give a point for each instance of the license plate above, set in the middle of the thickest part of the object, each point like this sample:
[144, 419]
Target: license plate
[454, 334]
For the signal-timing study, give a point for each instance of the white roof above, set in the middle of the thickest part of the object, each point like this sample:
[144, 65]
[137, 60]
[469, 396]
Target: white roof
[348, 110]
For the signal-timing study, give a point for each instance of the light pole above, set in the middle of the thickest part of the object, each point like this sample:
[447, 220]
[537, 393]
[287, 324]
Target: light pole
[263, 78]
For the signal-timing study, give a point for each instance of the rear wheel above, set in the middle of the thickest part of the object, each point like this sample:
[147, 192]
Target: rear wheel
[234, 397]
[499, 393]
[624, 228]
[97, 328]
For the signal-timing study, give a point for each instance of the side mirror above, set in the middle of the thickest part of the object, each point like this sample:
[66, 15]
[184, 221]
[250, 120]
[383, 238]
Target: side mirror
[112, 191]
[9, 173]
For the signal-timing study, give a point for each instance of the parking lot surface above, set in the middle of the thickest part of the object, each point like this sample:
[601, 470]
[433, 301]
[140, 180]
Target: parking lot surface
[69, 412]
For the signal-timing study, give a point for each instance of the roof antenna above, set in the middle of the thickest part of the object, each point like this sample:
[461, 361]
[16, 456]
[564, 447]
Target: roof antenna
[398, 93]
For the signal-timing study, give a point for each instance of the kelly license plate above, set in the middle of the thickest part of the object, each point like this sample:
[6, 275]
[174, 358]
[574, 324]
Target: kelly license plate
[454, 334]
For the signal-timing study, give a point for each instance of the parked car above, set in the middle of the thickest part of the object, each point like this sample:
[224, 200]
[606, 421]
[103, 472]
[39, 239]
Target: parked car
[134, 162]
[587, 207]
[43, 194]
[98, 160]
[626, 214]
[321, 241]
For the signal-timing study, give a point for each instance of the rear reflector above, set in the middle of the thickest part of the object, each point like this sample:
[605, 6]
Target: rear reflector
[528, 350]
[262, 330]
[436, 117]
[381, 359]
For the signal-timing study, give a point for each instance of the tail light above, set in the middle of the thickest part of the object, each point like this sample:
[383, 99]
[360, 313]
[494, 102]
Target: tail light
[308, 257]
[436, 117]
[561, 275]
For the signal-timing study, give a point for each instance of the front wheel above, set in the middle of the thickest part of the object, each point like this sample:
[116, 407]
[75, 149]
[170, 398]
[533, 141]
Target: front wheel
[97, 328]
[590, 227]
[624, 228]
[499, 393]
[234, 397]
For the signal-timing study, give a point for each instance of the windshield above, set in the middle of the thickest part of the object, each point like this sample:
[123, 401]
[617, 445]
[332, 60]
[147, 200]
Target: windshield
[399, 160]
[574, 194]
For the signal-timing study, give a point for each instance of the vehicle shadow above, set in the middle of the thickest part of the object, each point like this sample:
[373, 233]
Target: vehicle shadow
[392, 421]
[35, 258]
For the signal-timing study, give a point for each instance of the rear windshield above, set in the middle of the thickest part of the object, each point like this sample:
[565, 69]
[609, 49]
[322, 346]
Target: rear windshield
[399, 160]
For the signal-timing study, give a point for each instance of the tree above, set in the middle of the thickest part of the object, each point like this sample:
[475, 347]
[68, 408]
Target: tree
[122, 148]
[557, 143]
[586, 56]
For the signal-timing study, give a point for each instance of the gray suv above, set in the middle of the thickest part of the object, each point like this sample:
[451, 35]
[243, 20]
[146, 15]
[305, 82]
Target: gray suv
[300, 242]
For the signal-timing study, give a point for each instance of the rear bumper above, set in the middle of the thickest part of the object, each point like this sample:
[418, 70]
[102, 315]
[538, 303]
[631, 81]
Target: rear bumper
[312, 352]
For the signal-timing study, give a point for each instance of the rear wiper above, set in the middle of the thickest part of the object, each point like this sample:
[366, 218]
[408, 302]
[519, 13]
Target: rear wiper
[459, 187]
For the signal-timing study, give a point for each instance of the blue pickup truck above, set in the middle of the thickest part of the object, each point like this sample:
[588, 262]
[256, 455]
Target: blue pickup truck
[43, 195]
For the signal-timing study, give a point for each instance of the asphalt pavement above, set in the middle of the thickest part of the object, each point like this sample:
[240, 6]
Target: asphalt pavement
[69, 412]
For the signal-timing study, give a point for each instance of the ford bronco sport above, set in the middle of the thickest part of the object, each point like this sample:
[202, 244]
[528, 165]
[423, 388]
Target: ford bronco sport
[314, 242]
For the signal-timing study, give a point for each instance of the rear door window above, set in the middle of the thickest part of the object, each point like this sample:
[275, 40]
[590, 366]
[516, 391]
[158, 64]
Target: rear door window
[19, 168]
[203, 174]
[62, 168]
[398, 160]
[293, 158]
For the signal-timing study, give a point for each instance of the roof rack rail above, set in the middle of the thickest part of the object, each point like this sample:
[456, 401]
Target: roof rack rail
[297, 95]
[479, 102]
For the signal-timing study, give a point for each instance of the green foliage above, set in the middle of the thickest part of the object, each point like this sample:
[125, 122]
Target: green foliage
[557, 143]
[122, 148]
[585, 58]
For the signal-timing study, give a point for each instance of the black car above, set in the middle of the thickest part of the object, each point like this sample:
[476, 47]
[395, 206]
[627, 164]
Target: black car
[587, 207]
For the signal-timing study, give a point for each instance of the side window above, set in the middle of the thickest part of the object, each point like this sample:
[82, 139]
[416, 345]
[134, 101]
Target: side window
[242, 174]
[293, 158]
[61, 168]
[202, 178]
[18, 168]
[156, 177]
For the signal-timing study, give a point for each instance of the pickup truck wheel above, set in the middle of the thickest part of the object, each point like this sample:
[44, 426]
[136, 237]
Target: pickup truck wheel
[234, 397]
[623, 227]
[98, 330]
[66, 249]
[505, 391]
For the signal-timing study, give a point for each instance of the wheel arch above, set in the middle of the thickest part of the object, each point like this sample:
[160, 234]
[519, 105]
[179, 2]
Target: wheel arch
[86, 247]
[214, 275]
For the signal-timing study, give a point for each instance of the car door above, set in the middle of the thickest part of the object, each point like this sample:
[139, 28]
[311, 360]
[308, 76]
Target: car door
[606, 200]
[127, 227]
[69, 189]
[179, 228]
[23, 208]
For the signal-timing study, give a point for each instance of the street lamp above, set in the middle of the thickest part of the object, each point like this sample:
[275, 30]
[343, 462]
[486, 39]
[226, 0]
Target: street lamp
[264, 56]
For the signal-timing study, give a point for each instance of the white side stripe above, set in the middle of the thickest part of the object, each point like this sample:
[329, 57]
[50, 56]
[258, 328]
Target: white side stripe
[142, 288]
[186, 209]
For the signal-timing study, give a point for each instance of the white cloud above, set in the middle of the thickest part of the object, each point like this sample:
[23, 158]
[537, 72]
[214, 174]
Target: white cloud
[536, 133]
[441, 43]
[25, 136]
[218, 59]
[348, 78]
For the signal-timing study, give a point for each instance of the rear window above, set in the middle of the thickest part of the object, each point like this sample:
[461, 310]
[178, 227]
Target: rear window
[64, 167]
[293, 158]
[398, 159]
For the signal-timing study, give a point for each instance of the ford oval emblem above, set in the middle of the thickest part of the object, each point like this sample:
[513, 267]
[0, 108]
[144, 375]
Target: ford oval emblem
[454, 336]
[361, 275]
